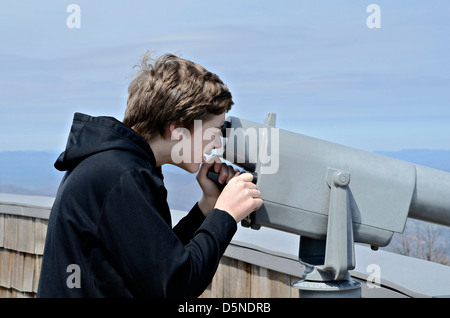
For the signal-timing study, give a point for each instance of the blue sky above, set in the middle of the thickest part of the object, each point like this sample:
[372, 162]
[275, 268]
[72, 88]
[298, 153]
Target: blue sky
[314, 63]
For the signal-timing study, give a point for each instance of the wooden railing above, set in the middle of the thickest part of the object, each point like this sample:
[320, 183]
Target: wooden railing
[22, 238]
[256, 264]
[238, 279]
[23, 226]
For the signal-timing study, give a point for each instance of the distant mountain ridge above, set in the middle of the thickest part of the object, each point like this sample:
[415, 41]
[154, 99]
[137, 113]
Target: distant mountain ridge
[29, 172]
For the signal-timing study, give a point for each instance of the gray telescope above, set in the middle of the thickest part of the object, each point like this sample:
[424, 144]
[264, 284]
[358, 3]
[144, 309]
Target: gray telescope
[332, 196]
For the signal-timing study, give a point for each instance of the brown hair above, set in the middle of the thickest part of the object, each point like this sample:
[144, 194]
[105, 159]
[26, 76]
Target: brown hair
[173, 90]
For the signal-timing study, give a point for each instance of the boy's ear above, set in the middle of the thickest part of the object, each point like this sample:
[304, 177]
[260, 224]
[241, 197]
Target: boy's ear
[176, 131]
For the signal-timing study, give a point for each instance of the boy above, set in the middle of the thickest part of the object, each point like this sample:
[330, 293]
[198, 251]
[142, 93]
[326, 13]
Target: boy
[110, 231]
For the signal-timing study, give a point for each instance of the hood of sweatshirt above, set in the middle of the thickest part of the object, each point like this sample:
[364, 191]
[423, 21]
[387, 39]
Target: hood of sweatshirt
[91, 135]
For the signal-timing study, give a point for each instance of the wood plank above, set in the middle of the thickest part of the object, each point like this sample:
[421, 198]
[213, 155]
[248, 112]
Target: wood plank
[282, 283]
[37, 272]
[28, 272]
[11, 232]
[40, 232]
[2, 229]
[260, 283]
[5, 292]
[236, 279]
[227, 264]
[17, 263]
[5, 267]
[217, 282]
[26, 234]
[12, 293]
[244, 278]
[239, 279]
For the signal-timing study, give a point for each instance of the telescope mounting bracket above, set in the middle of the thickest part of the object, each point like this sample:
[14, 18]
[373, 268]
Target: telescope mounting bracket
[327, 261]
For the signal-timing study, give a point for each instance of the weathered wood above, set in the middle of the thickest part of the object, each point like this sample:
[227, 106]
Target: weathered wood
[25, 234]
[22, 242]
[237, 279]
[37, 272]
[5, 268]
[217, 283]
[28, 273]
[40, 231]
[17, 264]
[11, 232]
[260, 283]
[12, 293]
[2, 229]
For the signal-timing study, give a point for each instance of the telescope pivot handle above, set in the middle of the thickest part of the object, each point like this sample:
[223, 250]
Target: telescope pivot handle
[214, 176]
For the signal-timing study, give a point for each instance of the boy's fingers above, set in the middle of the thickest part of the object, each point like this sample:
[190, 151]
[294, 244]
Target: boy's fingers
[246, 176]
[231, 173]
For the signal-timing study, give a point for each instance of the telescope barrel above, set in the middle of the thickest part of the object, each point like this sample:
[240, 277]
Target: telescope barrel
[431, 197]
[332, 196]
[293, 170]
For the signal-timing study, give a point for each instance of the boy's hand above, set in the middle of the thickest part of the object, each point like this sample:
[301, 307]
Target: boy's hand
[240, 197]
[210, 189]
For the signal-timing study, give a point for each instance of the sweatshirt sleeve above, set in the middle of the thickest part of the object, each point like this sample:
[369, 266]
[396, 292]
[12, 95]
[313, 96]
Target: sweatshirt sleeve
[188, 225]
[153, 260]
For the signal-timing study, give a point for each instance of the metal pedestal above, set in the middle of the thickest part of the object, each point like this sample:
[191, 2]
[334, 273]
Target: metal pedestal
[327, 261]
[336, 289]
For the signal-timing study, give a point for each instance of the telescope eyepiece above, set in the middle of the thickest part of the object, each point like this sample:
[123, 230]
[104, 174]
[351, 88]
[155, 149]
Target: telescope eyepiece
[226, 124]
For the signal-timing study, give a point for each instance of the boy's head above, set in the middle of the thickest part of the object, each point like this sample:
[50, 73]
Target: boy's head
[173, 91]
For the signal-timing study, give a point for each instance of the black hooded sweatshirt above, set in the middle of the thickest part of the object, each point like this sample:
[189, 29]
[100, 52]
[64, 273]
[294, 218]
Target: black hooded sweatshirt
[110, 232]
